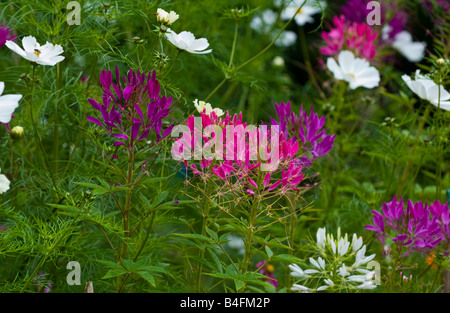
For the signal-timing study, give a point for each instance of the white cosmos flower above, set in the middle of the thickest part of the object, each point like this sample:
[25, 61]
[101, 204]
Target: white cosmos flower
[186, 41]
[427, 89]
[164, 17]
[4, 183]
[48, 54]
[357, 72]
[202, 106]
[413, 51]
[8, 103]
[264, 24]
[306, 13]
[287, 38]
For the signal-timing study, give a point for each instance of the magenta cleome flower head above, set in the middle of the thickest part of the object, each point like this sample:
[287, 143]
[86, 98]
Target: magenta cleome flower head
[346, 35]
[5, 35]
[308, 130]
[131, 108]
[418, 226]
[227, 148]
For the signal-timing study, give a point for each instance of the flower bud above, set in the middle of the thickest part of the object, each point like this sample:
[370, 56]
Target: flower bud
[165, 17]
[17, 132]
[440, 62]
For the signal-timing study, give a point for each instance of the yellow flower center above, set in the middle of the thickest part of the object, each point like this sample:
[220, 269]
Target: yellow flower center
[270, 268]
[352, 75]
[37, 52]
[299, 11]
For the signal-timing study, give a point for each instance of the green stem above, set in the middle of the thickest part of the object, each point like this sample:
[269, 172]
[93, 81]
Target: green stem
[36, 133]
[394, 269]
[233, 48]
[216, 89]
[416, 141]
[153, 51]
[56, 123]
[126, 214]
[173, 64]
[438, 143]
[205, 215]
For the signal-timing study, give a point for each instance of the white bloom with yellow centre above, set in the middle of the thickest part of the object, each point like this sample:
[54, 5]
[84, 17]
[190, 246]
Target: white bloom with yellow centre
[4, 184]
[48, 54]
[357, 72]
[8, 103]
[187, 41]
[164, 17]
[304, 11]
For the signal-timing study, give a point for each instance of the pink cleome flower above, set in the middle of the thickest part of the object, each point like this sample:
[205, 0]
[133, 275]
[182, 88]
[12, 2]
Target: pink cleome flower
[357, 37]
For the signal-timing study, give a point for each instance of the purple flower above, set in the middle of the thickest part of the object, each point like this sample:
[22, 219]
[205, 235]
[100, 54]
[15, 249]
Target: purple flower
[357, 11]
[307, 129]
[5, 35]
[419, 226]
[42, 285]
[267, 270]
[131, 108]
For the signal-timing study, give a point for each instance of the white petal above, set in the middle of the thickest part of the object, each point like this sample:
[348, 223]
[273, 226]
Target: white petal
[14, 47]
[7, 107]
[334, 68]
[2, 87]
[346, 61]
[29, 43]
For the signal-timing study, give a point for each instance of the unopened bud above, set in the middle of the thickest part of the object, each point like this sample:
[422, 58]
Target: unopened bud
[440, 62]
[17, 132]
[278, 61]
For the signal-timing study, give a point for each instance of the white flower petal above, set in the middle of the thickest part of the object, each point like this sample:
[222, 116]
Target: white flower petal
[14, 47]
[29, 43]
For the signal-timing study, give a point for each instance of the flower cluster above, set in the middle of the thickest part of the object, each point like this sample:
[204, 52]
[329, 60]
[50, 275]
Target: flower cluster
[308, 129]
[131, 108]
[339, 265]
[5, 35]
[357, 37]
[227, 147]
[419, 226]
